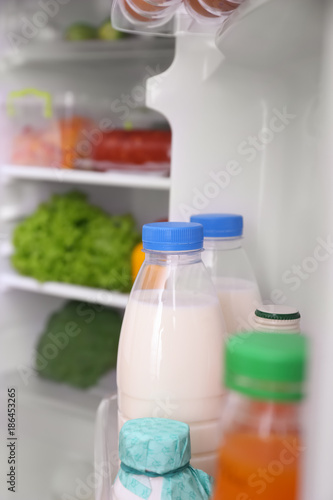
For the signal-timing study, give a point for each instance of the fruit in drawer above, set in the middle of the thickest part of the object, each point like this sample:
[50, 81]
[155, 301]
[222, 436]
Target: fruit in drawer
[136, 147]
[137, 260]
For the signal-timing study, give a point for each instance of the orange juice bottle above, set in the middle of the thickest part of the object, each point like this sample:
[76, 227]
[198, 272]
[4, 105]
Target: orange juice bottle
[261, 447]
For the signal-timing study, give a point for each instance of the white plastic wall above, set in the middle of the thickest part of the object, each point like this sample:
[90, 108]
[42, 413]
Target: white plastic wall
[248, 138]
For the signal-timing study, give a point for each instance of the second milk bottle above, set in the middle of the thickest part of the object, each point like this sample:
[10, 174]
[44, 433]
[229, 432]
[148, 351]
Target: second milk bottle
[169, 359]
[230, 269]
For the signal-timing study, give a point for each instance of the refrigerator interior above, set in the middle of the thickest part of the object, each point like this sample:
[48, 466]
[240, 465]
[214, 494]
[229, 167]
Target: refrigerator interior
[56, 423]
[251, 115]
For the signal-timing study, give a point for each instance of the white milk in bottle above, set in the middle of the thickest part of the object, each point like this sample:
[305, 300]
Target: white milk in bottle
[229, 268]
[171, 343]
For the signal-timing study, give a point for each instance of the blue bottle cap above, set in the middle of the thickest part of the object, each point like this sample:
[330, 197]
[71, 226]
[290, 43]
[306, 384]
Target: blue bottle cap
[220, 225]
[172, 236]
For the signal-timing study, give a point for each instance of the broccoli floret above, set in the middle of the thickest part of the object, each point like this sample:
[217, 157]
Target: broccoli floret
[71, 241]
[79, 344]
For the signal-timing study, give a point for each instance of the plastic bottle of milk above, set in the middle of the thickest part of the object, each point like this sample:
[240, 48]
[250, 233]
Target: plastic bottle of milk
[230, 268]
[169, 359]
[276, 319]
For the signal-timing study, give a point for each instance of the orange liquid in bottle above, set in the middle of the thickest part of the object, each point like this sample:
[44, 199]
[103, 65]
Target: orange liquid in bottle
[255, 468]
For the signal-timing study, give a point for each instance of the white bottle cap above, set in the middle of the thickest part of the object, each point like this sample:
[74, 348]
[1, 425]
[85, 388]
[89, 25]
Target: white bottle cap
[277, 318]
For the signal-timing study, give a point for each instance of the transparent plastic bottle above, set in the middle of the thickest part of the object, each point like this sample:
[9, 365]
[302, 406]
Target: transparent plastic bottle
[276, 319]
[230, 269]
[261, 443]
[169, 359]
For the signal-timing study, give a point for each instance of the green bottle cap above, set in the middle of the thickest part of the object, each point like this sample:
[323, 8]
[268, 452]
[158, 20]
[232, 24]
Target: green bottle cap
[277, 313]
[266, 366]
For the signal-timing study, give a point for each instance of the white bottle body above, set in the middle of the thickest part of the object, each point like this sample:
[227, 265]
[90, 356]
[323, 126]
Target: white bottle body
[170, 355]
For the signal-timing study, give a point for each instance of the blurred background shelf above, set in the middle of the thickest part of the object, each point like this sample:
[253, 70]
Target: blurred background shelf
[126, 179]
[11, 279]
[90, 50]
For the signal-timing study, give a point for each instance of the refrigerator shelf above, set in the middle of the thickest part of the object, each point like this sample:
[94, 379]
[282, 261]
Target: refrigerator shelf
[11, 279]
[110, 178]
[68, 399]
[90, 50]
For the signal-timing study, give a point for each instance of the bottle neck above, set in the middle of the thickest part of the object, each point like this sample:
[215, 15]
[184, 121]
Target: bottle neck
[223, 243]
[271, 325]
[172, 258]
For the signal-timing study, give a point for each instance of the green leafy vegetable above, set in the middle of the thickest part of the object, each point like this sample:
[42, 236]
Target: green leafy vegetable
[79, 345]
[71, 241]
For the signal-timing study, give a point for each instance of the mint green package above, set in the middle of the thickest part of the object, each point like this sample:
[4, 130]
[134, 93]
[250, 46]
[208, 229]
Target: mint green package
[155, 458]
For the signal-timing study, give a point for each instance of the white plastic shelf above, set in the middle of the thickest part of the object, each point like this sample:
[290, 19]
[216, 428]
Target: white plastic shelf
[67, 398]
[11, 279]
[90, 50]
[110, 178]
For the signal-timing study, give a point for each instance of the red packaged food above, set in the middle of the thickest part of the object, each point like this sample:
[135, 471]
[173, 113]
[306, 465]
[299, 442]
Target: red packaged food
[134, 147]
